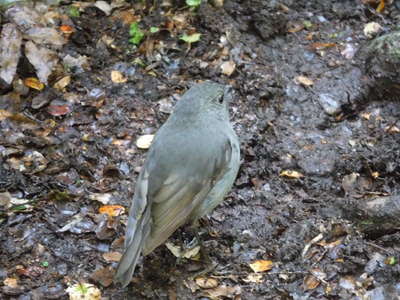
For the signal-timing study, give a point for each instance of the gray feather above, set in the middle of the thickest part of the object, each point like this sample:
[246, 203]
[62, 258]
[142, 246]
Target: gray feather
[191, 165]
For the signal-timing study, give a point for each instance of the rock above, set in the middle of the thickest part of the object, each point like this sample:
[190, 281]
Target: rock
[318, 162]
[330, 105]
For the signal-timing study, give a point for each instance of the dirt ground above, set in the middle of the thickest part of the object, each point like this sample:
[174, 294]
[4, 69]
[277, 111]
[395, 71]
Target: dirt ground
[319, 144]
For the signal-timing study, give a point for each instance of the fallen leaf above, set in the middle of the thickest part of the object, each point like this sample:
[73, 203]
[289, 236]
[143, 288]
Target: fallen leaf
[103, 6]
[291, 174]
[392, 129]
[83, 291]
[261, 265]
[191, 253]
[371, 29]
[295, 27]
[191, 38]
[330, 244]
[228, 67]
[62, 83]
[175, 250]
[4, 114]
[31, 271]
[319, 46]
[144, 141]
[33, 83]
[254, 277]
[112, 210]
[117, 77]
[375, 174]
[304, 80]
[206, 283]
[58, 109]
[223, 291]
[104, 276]
[103, 198]
[381, 6]
[310, 282]
[112, 256]
[366, 116]
[391, 260]
[11, 282]
[66, 29]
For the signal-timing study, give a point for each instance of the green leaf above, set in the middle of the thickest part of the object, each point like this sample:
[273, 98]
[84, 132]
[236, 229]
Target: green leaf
[136, 34]
[391, 261]
[307, 24]
[193, 3]
[73, 12]
[139, 62]
[154, 29]
[45, 264]
[19, 207]
[81, 288]
[192, 38]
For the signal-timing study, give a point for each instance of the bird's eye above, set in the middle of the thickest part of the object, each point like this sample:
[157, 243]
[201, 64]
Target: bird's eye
[221, 99]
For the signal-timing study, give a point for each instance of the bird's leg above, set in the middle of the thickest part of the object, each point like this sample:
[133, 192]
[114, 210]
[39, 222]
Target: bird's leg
[206, 259]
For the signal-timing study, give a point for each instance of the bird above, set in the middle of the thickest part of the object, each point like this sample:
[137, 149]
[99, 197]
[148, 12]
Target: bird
[191, 165]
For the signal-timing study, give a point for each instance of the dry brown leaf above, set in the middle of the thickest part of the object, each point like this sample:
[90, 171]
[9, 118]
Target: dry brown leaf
[375, 174]
[4, 114]
[291, 174]
[112, 256]
[304, 80]
[381, 6]
[296, 27]
[59, 109]
[366, 116]
[261, 265]
[206, 283]
[392, 129]
[112, 210]
[104, 276]
[62, 83]
[330, 244]
[319, 46]
[66, 29]
[11, 282]
[117, 77]
[223, 291]
[228, 67]
[310, 282]
[127, 16]
[33, 83]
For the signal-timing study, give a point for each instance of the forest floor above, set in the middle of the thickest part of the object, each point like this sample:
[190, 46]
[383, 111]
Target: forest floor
[319, 144]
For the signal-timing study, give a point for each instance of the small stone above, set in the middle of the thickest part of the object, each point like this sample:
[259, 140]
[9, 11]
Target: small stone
[330, 106]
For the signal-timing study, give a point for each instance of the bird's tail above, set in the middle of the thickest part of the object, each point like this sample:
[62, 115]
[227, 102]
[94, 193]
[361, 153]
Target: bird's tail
[136, 233]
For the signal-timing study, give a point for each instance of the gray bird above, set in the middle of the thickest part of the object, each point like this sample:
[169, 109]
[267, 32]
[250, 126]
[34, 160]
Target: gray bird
[191, 165]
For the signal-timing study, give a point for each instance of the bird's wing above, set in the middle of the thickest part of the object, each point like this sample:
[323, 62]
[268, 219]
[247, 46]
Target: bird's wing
[181, 194]
[224, 182]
